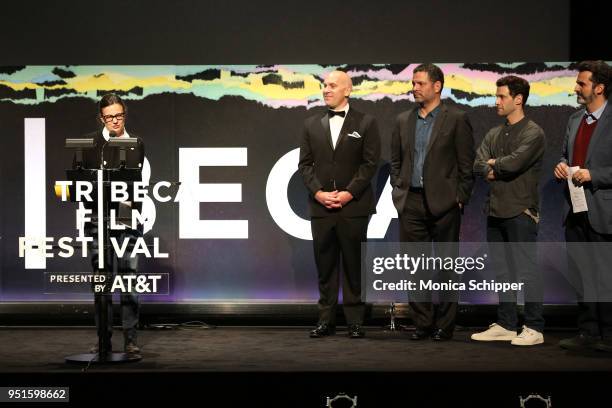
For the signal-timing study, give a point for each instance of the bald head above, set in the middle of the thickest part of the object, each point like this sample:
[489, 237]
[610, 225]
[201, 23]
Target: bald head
[341, 78]
[337, 88]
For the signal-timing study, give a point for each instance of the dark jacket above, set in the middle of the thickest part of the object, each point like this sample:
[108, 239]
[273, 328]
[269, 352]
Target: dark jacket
[350, 166]
[447, 171]
[92, 158]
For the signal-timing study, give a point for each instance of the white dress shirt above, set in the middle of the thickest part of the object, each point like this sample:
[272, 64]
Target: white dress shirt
[593, 116]
[106, 134]
[335, 125]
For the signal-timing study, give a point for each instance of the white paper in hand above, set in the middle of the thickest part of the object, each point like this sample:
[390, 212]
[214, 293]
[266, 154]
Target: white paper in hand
[577, 196]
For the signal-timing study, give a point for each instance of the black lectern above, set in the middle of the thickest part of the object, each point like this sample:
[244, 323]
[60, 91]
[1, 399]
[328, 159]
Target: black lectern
[101, 179]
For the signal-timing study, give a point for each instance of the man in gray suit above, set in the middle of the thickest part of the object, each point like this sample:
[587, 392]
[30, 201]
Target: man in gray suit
[432, 152]
[588, 145]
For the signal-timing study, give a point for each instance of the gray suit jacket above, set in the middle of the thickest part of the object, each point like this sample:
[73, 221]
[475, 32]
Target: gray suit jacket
[599, 163]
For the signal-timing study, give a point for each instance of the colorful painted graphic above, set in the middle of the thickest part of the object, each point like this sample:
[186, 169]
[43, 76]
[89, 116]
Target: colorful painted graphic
[278, 85]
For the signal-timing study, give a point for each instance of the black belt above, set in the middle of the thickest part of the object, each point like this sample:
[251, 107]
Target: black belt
[418, 190]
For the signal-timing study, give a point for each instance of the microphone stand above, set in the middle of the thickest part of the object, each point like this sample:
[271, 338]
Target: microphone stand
[102, 298]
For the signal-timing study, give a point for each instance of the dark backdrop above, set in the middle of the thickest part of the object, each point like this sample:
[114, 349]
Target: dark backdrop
[264, 32]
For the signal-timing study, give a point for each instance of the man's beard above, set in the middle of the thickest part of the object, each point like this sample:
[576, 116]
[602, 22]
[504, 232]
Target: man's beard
[584, 100]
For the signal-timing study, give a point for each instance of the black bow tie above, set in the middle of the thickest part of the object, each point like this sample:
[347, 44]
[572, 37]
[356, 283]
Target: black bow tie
[333, 113]
[589, 115]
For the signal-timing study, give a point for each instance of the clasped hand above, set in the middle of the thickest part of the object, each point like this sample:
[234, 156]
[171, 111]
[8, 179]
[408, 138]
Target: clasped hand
[333, 199]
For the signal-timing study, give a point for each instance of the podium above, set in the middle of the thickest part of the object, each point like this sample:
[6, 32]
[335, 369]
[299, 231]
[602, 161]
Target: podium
[101, 179]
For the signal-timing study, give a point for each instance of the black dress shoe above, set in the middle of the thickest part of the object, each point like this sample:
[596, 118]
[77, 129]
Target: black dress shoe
[355, 331]
[322, 330]
[440, 335]
[581, 342]
[419, 334]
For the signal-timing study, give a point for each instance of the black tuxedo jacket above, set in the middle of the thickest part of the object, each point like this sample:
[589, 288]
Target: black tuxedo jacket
[349, 167]
[447, 171]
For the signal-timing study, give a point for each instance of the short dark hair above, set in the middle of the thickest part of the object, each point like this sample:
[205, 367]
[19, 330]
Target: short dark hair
[600, 73]
[111, 99]
[516, 86]
[434, 72]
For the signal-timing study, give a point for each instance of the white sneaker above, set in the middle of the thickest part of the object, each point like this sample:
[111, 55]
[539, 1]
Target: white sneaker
[494, 333]
[528, 337]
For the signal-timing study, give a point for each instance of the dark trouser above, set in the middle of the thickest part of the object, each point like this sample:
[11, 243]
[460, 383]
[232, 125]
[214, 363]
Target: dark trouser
[594, 317]
[516, 262]
[332, 236]
[122, 266]
[417, 224]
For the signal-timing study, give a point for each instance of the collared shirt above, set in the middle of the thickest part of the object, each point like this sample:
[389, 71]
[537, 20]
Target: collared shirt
[335, 125]
[106, 134]
[422, 135]
[596, 115]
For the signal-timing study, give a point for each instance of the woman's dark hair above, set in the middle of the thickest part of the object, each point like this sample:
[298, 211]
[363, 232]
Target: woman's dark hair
[111, 99]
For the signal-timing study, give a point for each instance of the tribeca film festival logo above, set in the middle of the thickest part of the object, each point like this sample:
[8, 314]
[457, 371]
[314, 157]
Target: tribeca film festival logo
[412, 265]
[128, 246]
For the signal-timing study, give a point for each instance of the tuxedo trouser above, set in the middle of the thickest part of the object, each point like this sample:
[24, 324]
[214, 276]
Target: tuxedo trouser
[338, 238]
[417, 224]
[586, 266]
[516, 262]
[129, 300]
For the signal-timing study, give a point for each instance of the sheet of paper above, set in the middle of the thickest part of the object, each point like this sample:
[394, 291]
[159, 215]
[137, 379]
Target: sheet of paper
[577, 196]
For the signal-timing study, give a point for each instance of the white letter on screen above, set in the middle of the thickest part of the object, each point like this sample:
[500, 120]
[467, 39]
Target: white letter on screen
[35, 192]
[277, 200]
[193, 193]
[385, 212]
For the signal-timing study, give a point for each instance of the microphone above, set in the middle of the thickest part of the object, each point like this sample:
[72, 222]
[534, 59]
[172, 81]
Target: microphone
[112, 133]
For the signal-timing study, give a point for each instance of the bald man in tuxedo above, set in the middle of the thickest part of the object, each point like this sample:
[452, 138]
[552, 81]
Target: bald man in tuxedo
[339, 155]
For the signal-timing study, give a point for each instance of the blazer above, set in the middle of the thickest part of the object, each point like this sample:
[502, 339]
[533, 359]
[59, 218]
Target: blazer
[598, 191]
[92, 157]
[447, 171]
[349, 167]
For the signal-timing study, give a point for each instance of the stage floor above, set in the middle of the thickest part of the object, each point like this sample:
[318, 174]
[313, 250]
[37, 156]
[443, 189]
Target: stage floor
[283, 367]
[289, 349]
